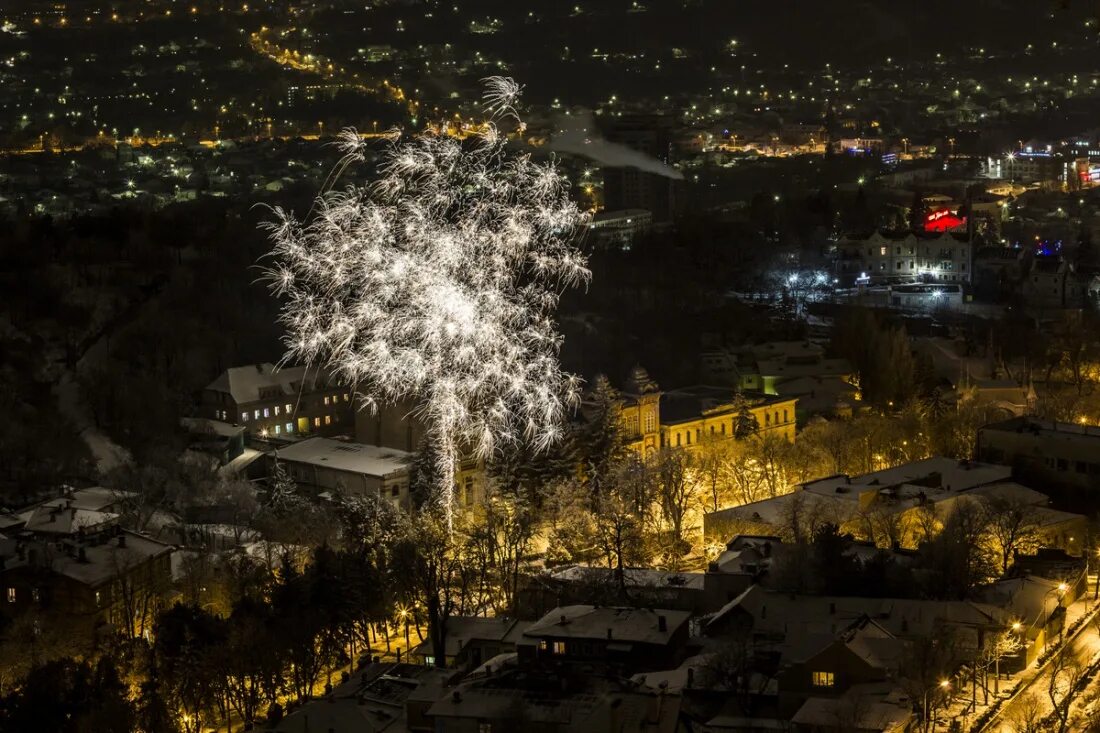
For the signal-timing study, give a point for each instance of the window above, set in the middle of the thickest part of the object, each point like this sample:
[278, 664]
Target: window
[396, 490]
[823, 679]
[98, 598]
[328, 419]
[11, 595]
[290, 427]
[36, 595]
[267, 412]
[649, 421]
[484, 728]
[278, 429]
[429, 660]
[882, 251]
[256, 414]
[767, 418]
[689, 437]
[347, 398]
[244, 417]
[288, 408]
[316, 422]
[785, 418]
[327, 399]
[559, 647]
[723, 428]
[677, 440]
[277, 408]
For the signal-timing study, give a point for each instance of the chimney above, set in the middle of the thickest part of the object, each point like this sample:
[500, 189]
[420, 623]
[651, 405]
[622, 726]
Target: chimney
[662, 623]
[81, 554]
[122, 540]
[608, 632]
[563, 620]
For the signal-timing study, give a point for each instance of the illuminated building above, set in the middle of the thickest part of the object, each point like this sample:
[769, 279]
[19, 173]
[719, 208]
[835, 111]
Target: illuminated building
[1033, 166]
[279, 403]
[690, 416]
[886, 258]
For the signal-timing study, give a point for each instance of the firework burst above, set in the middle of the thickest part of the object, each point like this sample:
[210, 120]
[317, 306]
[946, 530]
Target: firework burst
[438, 283]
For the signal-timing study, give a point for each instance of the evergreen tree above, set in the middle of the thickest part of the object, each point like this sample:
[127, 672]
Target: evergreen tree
[599, 442]
[745, 423]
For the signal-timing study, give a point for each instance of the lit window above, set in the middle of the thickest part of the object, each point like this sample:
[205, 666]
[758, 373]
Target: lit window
[429, 660]
[256, 414]
[278, 429]
[347, 397]
[267, 412]
[11, 595]
[290, 427]
[288, 410]
[244, 417]
[98, 598]
[316, 422]
[328, 419]
[542, 644]
[327, 400]
[882, 251]
[823, 679]
[277, 408]
[559, 647]
[36, 595]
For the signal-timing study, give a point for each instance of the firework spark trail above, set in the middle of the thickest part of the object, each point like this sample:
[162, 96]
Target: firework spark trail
[439, 283]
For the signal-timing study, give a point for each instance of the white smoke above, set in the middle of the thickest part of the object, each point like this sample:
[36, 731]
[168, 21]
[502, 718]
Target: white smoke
[578, 135]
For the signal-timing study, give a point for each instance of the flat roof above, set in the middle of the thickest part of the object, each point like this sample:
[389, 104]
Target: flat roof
[954, 475]
[368, 460]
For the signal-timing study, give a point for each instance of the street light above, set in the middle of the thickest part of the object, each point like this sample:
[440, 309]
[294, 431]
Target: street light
[404, 614]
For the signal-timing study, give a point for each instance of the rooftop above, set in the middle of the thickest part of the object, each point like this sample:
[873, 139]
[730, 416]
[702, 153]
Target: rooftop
[369, 460]
[1048, 428]
[639, 625]
[251, 383]
[690, 403]
[935, 472]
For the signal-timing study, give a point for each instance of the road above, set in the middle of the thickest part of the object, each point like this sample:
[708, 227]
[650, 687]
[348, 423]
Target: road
[1034, 697]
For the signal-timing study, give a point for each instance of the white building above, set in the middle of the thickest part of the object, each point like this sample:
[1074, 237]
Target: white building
[898, 258]
[323, 465]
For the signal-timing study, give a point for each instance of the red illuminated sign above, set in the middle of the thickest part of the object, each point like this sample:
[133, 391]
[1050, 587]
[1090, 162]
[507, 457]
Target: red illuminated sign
[943, 220]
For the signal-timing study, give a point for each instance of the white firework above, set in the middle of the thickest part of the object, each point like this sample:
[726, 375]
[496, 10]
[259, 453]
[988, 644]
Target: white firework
[439, 283]
[501, 95]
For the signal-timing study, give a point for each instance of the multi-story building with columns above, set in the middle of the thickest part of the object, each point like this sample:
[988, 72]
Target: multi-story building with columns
[688, 416]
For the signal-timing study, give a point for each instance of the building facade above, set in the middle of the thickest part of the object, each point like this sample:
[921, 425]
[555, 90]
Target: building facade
[689, 416]
[280, 403]
[888, 258]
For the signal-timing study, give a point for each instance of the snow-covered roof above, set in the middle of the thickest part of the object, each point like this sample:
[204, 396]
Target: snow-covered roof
[245, 384]
[340, 455]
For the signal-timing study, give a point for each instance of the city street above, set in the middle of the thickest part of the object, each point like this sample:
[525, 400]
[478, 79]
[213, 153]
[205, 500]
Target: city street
[1030, 698]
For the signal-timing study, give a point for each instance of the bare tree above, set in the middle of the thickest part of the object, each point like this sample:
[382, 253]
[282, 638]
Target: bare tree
[676, 495]
[1012, 526]
[1066, 672]
[711, 469]
[1027, 714]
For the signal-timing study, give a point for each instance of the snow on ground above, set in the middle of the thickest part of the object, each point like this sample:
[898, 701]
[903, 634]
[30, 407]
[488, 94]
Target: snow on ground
[106, 452]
